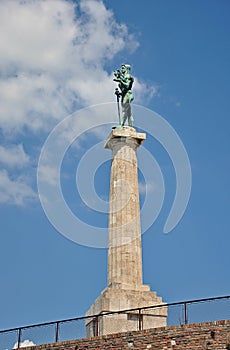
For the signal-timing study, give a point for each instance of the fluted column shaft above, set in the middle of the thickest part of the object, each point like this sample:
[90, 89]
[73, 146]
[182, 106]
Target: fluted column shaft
[125, 252]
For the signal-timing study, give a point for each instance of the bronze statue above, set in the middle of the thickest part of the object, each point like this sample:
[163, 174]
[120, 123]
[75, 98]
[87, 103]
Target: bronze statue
[125, 80]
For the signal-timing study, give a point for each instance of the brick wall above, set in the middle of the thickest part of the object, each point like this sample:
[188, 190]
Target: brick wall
[210, 335]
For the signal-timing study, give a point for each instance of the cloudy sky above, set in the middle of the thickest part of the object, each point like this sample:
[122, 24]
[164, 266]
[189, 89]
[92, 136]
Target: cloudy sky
[56, 59]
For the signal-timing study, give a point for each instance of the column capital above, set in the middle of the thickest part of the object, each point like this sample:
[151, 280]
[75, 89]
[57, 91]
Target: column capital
[125, 132]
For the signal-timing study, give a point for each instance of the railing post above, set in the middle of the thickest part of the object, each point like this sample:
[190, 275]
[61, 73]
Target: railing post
[185, 313]
[19, 337]
[57, 332]
[97, 326]
[140, 320]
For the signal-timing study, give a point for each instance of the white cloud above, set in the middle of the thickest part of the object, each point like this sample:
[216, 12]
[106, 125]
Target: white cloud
[52, 62]
[143, 92]
[24, 344]
[52, 57]
[14, 191]
[49, 174]
[14, 156]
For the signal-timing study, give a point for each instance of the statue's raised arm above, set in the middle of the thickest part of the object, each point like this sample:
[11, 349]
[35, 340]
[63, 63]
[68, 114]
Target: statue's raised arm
[125, 83]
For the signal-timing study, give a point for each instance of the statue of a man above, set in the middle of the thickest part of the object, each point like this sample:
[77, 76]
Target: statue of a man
[125, 81]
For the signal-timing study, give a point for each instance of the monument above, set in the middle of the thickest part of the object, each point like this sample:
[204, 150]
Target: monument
[125, 288]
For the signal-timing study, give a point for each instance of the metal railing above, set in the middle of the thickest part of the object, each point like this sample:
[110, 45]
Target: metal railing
[178, 313]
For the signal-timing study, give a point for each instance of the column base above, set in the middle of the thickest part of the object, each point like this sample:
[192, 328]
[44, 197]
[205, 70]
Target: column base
[118, 298]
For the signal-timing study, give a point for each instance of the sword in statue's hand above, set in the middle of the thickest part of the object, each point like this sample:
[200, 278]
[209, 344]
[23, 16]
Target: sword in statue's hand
[118, 94]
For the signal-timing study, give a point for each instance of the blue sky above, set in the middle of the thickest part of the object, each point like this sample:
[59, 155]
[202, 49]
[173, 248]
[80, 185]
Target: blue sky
[56, 58]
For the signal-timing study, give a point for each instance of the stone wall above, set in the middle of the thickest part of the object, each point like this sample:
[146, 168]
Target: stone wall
[210, 336]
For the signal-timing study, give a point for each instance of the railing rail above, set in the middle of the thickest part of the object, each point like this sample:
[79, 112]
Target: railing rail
[139, 311]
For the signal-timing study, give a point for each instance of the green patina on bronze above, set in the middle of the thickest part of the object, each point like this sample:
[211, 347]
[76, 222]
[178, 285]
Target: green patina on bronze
[125, 83]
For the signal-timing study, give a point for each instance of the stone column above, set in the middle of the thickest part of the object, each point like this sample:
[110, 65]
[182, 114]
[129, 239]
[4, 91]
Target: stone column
[125, 254]
[125, 288]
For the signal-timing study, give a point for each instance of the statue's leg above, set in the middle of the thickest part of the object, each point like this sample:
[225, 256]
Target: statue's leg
[129, 113]
[124, 117]
[126, 109]
[130, 120]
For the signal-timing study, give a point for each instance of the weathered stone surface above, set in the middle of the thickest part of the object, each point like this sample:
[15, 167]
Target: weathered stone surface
[117, 299]
[125, 285]
[125, 254]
